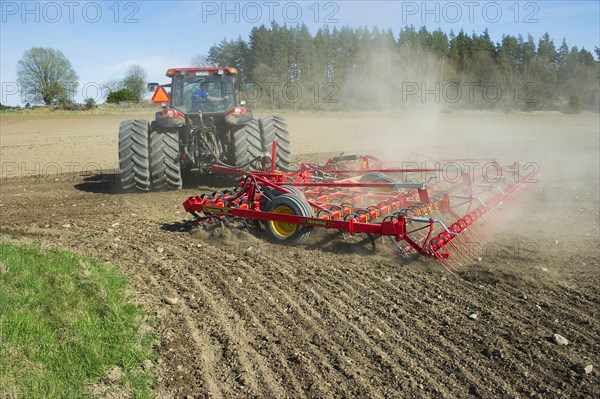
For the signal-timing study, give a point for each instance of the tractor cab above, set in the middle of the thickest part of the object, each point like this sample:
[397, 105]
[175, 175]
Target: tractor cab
[206, 90]
[209, 91]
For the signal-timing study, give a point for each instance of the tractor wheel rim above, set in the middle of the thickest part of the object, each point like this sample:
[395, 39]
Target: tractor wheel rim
[281, 228]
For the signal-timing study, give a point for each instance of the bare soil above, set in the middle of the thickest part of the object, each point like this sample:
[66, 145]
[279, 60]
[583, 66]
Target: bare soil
[255, 319]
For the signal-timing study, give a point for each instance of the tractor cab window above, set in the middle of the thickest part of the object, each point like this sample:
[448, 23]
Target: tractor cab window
[203, 93]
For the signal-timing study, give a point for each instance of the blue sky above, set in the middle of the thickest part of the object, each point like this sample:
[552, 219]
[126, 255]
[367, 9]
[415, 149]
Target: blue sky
[102, 38]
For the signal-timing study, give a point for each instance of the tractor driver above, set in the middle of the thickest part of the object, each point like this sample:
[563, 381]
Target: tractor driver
[202, 96]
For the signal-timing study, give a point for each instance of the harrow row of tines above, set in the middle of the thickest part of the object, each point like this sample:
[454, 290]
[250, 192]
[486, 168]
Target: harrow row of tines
[447, 222]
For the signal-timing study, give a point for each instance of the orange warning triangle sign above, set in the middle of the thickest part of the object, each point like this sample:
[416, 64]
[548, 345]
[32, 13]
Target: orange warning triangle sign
[160, 96]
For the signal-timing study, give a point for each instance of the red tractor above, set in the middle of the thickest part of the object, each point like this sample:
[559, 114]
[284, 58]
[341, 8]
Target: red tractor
[202, 125]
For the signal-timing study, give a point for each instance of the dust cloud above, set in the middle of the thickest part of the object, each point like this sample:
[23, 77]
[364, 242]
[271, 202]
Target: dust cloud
[420, 122]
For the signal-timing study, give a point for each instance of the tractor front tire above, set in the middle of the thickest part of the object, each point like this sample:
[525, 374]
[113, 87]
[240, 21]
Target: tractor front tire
[134, 164]
[165, 159]
[247, 146]
[289, 233]
[275, 127]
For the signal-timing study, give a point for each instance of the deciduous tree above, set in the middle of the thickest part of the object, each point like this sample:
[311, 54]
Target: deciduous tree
[46, 76]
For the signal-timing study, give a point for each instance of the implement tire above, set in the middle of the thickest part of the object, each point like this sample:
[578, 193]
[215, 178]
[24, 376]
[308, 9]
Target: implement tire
[275, 127]
[165, 159]
[288, 233]
[371, 177]
[134, 157]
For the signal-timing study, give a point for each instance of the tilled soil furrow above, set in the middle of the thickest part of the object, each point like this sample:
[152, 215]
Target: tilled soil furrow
[222, 364]
[221, 277]
[444, 350]
[562, 300]
[410, 345]
[203, 349]
[521, 363]
[253, 367]
[308, 292]
[269, 334]
[479, 334]
[306, 311]
[304, 326]
[541, 312]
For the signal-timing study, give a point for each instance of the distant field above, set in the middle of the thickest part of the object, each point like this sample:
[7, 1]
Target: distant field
[41, 142]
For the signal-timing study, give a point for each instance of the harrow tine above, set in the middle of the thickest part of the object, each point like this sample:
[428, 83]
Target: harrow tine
[464, 235]
[450, 263]
[482, 228]
[471, 245]
[483, 233]
[469, 250]
[471, 235]
[401, 251]
[444, 264]
[458, 253]
[486, 219]
[475, 233]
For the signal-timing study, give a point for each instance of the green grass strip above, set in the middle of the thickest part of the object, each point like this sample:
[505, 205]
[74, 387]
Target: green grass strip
[65, 321]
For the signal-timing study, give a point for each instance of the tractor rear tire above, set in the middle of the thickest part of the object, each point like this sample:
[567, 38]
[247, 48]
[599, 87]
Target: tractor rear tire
[275, 127]
[165, 159]
[247, 146]
[289, 233]
[134, 156]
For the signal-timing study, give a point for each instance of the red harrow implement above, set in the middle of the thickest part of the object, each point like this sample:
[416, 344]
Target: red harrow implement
[440, 210]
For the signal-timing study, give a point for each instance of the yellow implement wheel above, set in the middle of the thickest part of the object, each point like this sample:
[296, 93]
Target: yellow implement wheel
[284, 229]
[288, 233]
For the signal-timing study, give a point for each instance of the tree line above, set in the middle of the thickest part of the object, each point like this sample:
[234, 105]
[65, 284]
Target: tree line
[362, 68]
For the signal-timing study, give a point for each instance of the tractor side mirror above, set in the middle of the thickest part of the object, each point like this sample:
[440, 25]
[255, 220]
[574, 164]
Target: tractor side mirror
[152, 87]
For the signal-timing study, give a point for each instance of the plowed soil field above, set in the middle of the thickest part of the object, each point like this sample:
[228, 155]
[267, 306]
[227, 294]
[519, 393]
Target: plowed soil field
[330, 318]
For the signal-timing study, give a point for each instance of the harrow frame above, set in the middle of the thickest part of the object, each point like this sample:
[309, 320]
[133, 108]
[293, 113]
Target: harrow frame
[351, 194]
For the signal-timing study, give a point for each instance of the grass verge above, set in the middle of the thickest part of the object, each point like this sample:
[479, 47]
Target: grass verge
[67, 329]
